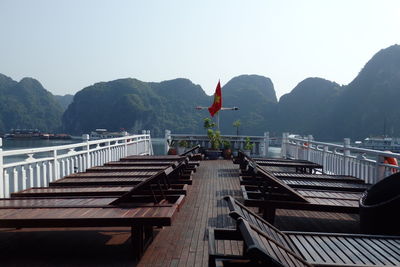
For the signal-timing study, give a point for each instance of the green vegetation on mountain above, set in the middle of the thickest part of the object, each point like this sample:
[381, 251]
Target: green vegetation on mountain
[134, 105]
[255, 97]
[27, 105]
[305, 110]
[368, 105]
[64, 100]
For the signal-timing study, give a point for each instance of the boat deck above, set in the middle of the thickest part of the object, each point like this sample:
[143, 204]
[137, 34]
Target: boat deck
[182, 244]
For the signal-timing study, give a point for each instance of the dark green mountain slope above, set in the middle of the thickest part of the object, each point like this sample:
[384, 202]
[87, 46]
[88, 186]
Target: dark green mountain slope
[371, 99]
[64, 100]
[306, 108]
[135, 105]
[26, 104]
[255, 96]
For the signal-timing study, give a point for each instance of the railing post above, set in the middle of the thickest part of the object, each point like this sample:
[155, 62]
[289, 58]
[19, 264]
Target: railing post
[266, 144]
[109, 156]
[284, 145]
[85, 137]
[325, 159]
[1, 170]
[167, 140]
[310, 138]
[126, 145]
[346, 154]
[143, 141]
[55, 166]
[150, 147]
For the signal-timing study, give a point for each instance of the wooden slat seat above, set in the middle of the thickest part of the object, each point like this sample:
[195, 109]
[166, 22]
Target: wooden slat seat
[317, 176]
[311, 183]
[273, 193]
[124, 168]
[108, 190]
[257, 174]
[154, 157]
[141, 163]
[97, 181]
[314, 200]
[266, 245]
[300, 166]
[113, 174]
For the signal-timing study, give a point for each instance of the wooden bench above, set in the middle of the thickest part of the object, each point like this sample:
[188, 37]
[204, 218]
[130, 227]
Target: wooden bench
[140, 212]
[258, 175]
[265, 245]
[298, 165]
[278, 195]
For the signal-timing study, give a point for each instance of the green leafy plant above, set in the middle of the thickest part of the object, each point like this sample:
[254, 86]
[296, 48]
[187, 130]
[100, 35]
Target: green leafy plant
[213, 135]
[237, 124]
[183, 143]
[226, 144]
[247, 144]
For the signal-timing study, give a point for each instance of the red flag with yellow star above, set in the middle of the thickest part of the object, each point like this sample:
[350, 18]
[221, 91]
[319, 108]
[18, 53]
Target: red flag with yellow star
[217, 104]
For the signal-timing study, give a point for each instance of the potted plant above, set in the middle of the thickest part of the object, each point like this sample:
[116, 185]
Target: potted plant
[248, 146]
[236, 124]
[227, 152]
[182, 145]
[215, 140]
[172, 148]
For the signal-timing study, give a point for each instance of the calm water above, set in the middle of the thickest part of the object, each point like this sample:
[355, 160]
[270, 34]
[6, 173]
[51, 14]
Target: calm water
[9, 144]
[158, 145]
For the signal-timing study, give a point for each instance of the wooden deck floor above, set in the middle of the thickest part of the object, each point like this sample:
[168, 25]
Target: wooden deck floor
[183, 244]
[186, 244]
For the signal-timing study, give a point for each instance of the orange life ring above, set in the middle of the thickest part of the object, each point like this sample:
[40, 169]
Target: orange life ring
[391, 161]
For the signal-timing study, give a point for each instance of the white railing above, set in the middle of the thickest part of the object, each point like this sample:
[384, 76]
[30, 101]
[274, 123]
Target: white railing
[260, 148]
[344, 159]
[24, 168]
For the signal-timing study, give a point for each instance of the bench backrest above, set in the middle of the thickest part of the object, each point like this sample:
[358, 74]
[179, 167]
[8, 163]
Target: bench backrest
[238, 210]
[190, 151]
[266, 250]
[272, 180]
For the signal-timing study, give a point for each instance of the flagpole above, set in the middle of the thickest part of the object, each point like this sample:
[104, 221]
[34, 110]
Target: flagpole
[218, 120]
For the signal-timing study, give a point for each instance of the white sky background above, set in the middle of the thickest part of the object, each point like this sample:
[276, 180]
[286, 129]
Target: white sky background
[68, 45]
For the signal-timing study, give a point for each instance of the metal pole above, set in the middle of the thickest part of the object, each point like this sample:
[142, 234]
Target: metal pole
[218, 120]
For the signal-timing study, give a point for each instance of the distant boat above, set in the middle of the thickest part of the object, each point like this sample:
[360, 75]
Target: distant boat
[22, 134]
[104, 133]
[381, 143]
[55, 136]
[33, 134]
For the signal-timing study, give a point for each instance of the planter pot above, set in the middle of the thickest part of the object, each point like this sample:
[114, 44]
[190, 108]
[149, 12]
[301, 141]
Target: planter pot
[172, 151]
[227, 153]
[212, 154]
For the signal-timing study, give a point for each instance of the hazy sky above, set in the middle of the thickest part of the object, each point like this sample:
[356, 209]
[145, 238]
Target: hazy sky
[68, 45]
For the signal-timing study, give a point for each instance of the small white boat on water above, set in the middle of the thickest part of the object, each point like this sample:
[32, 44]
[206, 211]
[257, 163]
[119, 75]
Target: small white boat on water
[381, 143]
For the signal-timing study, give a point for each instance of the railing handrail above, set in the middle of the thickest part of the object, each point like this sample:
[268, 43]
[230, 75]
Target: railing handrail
[342, 159]
[228, 136]
[22, 151]
[237, 141]
[352, 148]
